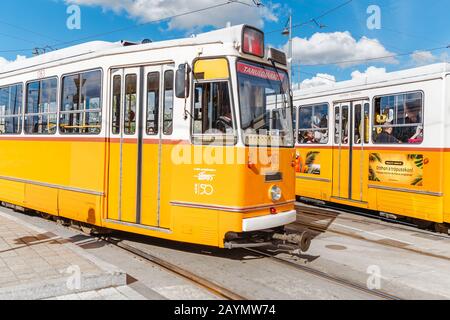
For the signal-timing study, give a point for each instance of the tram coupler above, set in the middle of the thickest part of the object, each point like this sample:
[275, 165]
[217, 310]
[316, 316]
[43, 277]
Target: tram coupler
[301, 241]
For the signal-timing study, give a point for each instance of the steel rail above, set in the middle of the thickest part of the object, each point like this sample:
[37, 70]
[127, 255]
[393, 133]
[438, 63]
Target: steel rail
[323, 229]
[323, 275]
[198, 280]
[328, 211]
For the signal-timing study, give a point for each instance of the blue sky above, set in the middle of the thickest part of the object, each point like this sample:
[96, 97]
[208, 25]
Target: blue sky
[406, 26]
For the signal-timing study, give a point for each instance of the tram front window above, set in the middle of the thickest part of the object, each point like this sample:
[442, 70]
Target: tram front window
[266, 111]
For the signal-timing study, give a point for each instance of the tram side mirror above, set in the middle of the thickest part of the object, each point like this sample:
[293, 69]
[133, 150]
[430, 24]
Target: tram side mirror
[182, 81]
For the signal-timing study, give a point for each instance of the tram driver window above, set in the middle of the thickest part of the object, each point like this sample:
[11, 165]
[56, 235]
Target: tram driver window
[398, 119]
[313, 124]
[212, 109]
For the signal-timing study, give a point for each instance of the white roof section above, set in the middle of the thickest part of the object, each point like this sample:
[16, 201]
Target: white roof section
[433, 70]
[229, 35]
[58, 55]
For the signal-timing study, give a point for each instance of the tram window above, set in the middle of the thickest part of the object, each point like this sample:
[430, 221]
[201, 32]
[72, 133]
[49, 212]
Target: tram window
[358, 125]
[361, 129]
[398, 118]
[152, 103]
[81, 110]
[116, 104]
[41, 107]
[168, 103]
[10, 109]
[344, 124]
[366, 122]
[294, 119]
[212, 109]
[130, 104]
[313, 124]
[337, 125]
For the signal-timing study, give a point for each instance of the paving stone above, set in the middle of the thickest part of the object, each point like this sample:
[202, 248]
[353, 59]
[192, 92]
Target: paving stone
[33, 270]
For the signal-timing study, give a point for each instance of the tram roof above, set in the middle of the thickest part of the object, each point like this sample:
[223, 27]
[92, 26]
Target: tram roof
[423, 72]
[97, 48]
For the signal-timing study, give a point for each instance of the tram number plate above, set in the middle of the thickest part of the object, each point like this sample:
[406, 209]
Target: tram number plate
[202, 189]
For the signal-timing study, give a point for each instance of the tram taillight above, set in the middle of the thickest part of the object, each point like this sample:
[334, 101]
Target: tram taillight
[253, 42]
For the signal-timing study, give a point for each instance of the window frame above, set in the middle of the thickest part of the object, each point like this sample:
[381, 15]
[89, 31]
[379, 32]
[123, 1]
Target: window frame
[195, 135]
[25, 105]
[20, 115]
[164, 132]
[120, 105]
[373, 126]
[320, 129]
[290, 100]
[158, 98]
[124, 106]
[101, 110]
[234, 112]
[295, 111]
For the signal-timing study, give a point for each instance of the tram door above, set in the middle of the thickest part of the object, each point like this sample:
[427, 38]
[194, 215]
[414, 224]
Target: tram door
[350, 173]
[135, 140]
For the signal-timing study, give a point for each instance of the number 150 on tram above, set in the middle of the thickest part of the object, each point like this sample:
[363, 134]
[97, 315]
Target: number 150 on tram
[174, 139]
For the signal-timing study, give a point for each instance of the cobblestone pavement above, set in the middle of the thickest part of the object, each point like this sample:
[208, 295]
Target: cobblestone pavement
[36, 264]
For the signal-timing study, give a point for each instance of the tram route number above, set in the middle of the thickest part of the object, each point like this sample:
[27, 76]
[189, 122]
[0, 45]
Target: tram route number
[202, 189]
[226, 310]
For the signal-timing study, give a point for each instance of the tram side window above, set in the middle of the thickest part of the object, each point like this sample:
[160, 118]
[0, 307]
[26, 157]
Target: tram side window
[153, 103]
[81, 107]
[313, 124]
[361, 129]
[130, 104]
[10, 109]
[294, 119]
[168, 102]
[41, 107]
[398, 119]
[212, 109]
[116, 104]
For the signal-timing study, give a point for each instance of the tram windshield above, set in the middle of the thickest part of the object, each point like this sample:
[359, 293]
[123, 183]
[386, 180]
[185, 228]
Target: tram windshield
[265, 105]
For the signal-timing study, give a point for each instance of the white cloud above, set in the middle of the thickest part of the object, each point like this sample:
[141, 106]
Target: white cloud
[421, 58]
[325, 48]
[4, 61]
[320, 79]
[370, 72]
[151, 10]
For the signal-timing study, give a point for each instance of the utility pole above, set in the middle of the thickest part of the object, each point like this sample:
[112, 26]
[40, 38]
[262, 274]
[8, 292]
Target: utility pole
[288, 32]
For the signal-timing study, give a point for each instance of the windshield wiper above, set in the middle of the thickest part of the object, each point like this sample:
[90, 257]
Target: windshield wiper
[282, 91]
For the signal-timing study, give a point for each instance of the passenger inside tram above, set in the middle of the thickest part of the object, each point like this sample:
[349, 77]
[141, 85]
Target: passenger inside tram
[387, 136]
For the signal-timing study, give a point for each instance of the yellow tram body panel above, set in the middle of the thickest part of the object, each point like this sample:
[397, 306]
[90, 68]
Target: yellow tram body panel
[68, 178]
[407, 191]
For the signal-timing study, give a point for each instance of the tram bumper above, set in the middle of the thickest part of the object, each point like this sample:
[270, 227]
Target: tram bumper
[267, 231]
[269, 221]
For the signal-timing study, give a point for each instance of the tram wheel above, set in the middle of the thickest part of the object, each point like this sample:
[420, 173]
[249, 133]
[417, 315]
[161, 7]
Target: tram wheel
[441, 228]
[63, 222]
[305, 242]
[85, 228]
[423, 224]
[45, 216]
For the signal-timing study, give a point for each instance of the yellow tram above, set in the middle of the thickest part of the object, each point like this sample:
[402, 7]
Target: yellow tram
[173, 139]
[378, 143]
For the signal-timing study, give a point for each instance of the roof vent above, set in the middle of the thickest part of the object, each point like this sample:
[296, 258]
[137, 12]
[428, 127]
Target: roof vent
[128, 43]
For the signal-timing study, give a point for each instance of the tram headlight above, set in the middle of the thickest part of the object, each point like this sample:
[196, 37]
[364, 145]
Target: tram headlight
[275, 193]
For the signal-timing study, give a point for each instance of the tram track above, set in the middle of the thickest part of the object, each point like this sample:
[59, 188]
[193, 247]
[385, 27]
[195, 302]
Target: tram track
[333, 212]
[323, 275]
[199, 281]
[314, 213]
